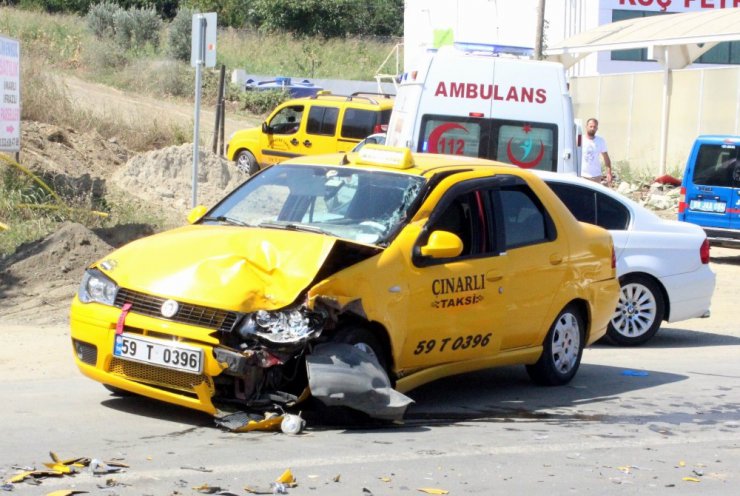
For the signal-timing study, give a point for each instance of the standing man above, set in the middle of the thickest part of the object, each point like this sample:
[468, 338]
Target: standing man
[594, 148]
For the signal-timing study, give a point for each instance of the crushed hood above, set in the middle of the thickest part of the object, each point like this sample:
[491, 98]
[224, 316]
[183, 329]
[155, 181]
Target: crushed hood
[236, 268]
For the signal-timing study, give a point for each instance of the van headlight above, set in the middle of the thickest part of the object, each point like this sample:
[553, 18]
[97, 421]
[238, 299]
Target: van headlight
[97, 287]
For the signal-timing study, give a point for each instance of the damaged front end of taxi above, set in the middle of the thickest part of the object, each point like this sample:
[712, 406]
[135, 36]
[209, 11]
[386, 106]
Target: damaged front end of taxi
[255, 360]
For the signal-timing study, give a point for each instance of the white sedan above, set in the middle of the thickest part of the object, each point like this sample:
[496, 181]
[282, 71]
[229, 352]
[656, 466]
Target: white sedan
[663, 265]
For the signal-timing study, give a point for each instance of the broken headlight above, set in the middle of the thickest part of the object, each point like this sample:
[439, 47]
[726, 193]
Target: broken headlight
[283, 326]
[97, 287]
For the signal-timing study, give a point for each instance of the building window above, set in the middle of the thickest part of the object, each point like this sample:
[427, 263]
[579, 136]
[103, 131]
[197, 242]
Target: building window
[635, 54]
[727, 52]
[724, 53]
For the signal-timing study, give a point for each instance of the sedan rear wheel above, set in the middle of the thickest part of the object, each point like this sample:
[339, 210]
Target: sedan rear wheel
[639, 312]
[561, 350]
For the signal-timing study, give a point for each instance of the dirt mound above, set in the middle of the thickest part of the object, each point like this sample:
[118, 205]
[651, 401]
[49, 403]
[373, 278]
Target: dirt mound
[164, 177]
[38, 281]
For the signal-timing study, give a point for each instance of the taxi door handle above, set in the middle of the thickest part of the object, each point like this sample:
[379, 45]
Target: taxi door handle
[307, 143]
[556, 259]
[294, 142]
[494, 275]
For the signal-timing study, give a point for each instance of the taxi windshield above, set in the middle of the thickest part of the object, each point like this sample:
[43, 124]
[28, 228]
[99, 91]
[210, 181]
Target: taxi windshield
[353, 203]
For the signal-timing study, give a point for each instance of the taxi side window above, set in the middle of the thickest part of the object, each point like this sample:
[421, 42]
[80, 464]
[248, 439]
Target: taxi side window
[524, 220]
[287, 120]
[358, 123]
[464, 216]
[322, 120]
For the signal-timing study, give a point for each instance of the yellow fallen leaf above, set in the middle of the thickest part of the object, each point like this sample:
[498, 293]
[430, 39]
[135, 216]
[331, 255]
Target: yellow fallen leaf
[84, 461]
[60, 467]
[385, 479]
[36, 474]
[432, 490]
[65, 492]
[691, 479]
[286, 477]
[682, 463]
[20, 477]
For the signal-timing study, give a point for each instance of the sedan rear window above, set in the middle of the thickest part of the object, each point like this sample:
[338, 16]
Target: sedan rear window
[592, 207]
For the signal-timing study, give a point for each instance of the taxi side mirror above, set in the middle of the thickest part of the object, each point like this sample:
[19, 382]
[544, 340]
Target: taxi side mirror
[196, 213]
[442, 244]
[266, 129]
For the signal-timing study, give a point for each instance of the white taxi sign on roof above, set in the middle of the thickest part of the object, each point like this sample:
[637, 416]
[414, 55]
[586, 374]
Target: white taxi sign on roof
[386, 156]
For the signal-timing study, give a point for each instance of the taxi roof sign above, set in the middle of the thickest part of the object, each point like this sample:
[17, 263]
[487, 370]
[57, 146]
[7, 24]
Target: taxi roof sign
[386, 156]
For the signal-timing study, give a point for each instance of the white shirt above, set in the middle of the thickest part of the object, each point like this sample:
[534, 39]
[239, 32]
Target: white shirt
[591, 156]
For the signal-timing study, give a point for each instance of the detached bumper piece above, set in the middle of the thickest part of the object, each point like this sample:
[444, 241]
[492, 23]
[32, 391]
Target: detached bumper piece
[341, 375]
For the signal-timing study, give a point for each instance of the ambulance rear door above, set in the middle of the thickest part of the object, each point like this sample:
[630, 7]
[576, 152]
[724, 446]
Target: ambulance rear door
[531, 117]
[455, 104]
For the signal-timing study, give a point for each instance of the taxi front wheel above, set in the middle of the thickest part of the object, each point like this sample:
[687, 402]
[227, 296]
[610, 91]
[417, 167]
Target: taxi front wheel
[364, 340]
[246, 162]
[561, 351]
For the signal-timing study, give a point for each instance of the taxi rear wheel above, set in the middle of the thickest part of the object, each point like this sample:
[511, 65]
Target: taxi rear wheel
[639, 312]
[561, 350]
[246, 162]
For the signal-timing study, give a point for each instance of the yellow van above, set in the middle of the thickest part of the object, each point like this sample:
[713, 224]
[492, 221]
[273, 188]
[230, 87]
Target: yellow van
[323, 123]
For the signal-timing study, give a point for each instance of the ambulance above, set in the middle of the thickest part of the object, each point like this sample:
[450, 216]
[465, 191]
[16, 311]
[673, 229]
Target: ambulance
[487, 101]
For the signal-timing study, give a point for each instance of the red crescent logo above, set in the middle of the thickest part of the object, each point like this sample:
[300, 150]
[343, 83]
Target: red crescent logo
[525, 165]
[437, 133]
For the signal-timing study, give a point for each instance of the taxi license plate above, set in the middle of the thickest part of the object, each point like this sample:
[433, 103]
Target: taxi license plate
[140, 349]
[708, 206]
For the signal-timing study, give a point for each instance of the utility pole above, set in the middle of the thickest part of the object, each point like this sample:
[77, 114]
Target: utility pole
[539, 34]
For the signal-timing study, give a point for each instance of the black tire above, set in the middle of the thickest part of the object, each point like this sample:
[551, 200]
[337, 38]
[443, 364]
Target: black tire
[639, 311]
[118, 391]
[365, 340]
[246, 162]
[561, 351]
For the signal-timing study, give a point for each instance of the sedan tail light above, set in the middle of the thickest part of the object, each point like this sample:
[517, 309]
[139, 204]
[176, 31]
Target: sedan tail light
[704, 251]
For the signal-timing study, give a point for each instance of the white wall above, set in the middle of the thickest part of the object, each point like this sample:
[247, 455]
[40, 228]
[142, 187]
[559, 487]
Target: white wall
[513, 22]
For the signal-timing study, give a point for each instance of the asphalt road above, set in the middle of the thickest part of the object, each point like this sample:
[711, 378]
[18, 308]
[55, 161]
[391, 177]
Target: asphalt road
[660, 419]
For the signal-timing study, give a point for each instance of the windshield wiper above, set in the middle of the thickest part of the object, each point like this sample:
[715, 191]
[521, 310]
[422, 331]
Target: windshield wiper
[293, 227]
[227, 220]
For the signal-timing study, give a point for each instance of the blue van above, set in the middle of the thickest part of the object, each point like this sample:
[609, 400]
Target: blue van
[710, 191]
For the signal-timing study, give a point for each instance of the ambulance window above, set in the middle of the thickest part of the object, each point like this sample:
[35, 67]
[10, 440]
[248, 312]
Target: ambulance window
[358, 123]
[528, 145]
[453, 135]
[322, 120]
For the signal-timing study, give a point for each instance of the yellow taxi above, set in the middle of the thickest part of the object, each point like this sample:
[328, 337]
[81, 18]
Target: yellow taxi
[352, 278]
[319, 124]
